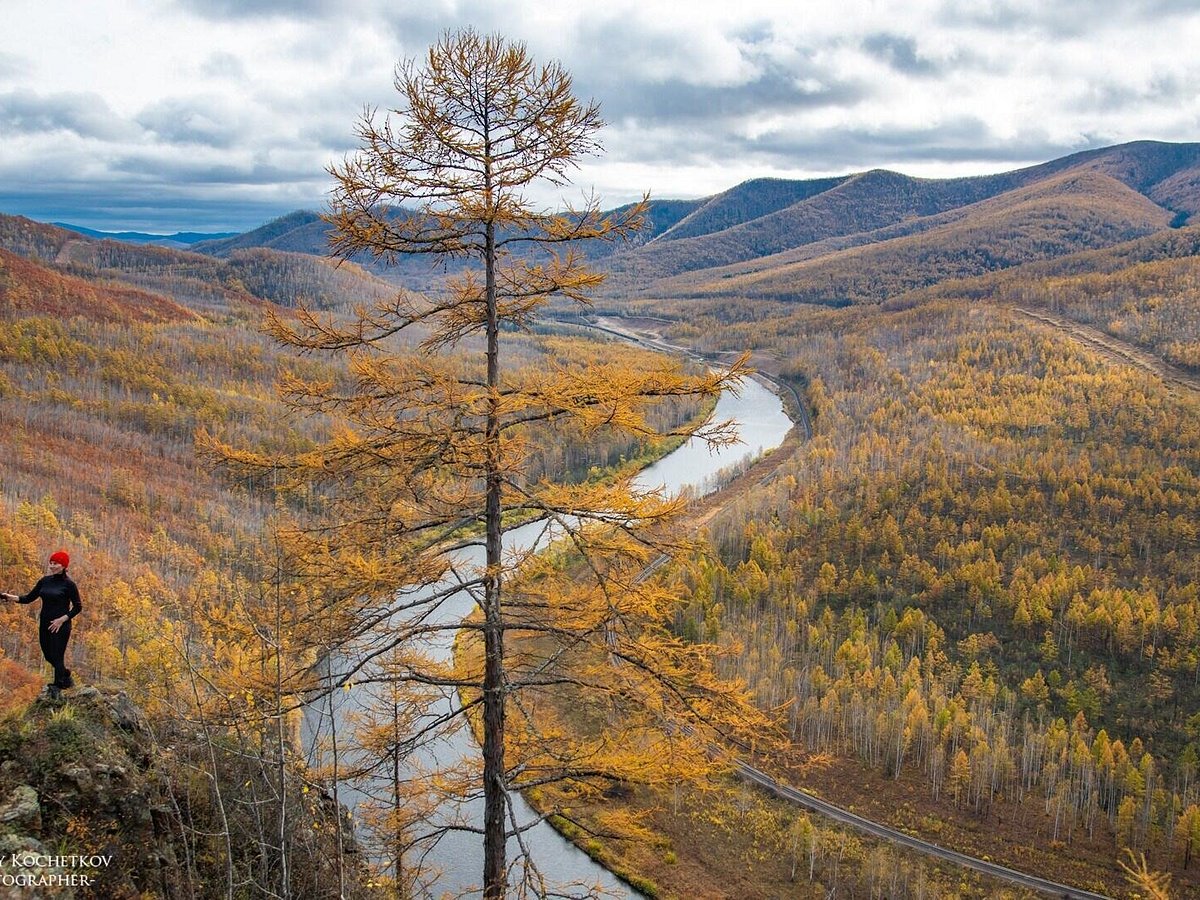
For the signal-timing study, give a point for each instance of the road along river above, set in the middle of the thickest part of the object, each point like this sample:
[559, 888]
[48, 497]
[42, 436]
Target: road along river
[454, 865]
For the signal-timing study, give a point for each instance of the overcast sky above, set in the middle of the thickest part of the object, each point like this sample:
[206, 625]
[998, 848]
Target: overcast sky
[208, 115]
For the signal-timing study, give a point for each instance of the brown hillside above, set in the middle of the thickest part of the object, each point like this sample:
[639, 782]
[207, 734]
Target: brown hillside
[1019, 283]
[816, 249]
[1142, 292]
[1074, 211]
[745, 202]
[28, 288]
[302, 231]
[862, 203]
[1147, 167]
[193, 279]
[1141, 249]
[35, 240]
[878, 205]
[1180, 192]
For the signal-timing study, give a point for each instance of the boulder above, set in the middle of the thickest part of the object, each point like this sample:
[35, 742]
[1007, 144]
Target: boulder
[21, 811]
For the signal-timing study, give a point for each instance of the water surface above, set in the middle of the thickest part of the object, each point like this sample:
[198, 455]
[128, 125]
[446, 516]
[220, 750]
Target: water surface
[455, 864]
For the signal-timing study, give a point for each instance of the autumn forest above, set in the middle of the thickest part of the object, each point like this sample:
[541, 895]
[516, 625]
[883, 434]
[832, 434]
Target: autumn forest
[962, 599]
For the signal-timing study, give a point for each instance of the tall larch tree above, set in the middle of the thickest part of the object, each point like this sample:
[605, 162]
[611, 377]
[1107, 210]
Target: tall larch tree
[432, 434]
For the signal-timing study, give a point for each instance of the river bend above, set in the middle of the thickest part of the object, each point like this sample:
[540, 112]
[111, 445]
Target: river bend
[455, 864]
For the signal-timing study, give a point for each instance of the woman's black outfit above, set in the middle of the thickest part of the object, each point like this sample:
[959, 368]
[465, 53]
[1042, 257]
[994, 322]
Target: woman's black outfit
[59, 597]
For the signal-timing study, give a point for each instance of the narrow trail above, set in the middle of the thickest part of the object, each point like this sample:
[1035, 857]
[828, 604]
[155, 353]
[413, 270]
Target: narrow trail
[892, 835]
[1116, 350]
[763, 471]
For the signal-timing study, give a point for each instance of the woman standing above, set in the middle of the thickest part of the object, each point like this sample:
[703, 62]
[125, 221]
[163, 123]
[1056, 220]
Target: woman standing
[60, 604]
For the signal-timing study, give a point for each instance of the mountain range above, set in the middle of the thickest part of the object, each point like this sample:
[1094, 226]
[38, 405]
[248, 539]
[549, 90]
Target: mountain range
[869, 237]
[815, 240]
[179, 239]
[909, 232]
[48, 269]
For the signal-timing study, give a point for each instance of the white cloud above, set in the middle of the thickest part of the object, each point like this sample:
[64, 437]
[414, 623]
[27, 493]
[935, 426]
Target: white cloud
[239, 105]
[12, 65]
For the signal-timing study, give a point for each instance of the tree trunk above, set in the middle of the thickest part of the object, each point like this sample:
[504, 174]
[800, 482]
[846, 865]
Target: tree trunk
[281, 735]
[398, 836]
[493, 631]
[335, 783]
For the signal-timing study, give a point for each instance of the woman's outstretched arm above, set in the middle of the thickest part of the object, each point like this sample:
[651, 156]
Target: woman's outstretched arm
[32, 595]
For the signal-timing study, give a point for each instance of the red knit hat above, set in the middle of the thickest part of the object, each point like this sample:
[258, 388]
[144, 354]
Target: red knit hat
[60, 557]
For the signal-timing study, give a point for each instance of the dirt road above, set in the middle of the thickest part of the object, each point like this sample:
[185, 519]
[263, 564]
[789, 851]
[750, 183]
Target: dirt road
[1115, 349]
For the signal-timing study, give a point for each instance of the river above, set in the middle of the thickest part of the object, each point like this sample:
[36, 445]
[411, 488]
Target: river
[454, 865]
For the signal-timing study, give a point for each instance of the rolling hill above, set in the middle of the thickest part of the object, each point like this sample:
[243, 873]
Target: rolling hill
[182, 239]
[192, 279]
[746, 202]
[877, 207]
[301, 231]
[814, 240]
[305, 232]
[27, 287]
[1069, 212]
[1145, 185]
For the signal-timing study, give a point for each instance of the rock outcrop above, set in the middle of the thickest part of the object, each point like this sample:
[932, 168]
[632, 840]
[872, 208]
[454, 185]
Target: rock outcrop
[85, 813]
[95, 803]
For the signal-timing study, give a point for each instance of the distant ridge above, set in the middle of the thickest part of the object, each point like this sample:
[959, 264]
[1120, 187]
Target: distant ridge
[302, 231]
[1073, 211]
[178, 239]
[192, 280]
[727, 245]
[855, 209]
[745, 202]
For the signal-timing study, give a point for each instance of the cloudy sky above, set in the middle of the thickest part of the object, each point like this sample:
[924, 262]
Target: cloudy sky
[164, 115]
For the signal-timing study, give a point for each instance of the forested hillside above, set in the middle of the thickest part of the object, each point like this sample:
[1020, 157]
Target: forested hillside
[1054, 217]
[26, 286]
[863, 237]
[112, 360]
[191, 278]
[107, 385]
[977, 582]
[1144, 292]
[884, 227]
[979, 578]
[744, 203]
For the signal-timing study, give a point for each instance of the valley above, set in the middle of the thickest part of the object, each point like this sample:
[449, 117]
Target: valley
[968, 597]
